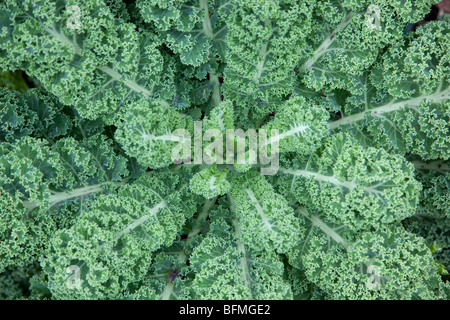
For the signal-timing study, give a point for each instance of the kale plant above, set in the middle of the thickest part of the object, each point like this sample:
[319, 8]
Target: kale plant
[113, 177]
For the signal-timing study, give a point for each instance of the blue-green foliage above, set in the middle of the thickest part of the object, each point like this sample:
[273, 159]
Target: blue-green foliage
[93, 207]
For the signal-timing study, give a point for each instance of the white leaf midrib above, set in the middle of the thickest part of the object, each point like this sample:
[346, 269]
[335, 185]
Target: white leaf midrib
[350, 185]
[133, 85]
[151, 212]
[436, 97]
